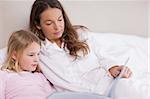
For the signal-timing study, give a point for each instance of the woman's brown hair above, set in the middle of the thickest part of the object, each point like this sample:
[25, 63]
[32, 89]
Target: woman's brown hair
[70, 36]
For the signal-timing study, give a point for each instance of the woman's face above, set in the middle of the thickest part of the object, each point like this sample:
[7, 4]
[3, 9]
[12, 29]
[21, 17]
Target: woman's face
[52, 24]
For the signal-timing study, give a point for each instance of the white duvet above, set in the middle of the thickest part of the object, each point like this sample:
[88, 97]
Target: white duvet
[122, 47]
[133, 47]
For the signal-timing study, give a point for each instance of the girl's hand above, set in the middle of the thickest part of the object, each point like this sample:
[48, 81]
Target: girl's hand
[116, 70]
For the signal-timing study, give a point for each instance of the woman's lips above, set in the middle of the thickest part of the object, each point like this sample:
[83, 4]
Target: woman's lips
[57, 33]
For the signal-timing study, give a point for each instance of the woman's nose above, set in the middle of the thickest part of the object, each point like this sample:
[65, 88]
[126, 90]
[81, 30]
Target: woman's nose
[57, 26]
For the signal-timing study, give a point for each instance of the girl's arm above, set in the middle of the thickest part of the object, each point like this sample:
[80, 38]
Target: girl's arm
[48, 87]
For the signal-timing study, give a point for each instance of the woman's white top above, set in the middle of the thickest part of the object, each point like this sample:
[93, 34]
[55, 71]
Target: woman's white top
[85, 74]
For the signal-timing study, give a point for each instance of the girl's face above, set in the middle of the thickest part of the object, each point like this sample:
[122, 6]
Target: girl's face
[28, 61]
[52, 24]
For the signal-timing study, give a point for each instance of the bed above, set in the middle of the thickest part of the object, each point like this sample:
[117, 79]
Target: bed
[135, 48]
[119, 45]
[122, 47]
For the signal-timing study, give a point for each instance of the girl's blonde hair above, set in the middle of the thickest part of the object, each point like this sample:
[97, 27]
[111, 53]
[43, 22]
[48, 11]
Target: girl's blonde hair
[18, 41]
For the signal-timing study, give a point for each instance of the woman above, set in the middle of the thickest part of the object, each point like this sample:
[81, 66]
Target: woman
[73, 61]
[70, 61]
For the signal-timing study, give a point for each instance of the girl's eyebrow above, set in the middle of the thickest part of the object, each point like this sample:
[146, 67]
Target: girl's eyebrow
[32, 52]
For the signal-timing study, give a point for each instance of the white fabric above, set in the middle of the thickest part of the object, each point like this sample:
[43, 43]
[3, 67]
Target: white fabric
[124, 89]
[74, 95]
[3, 53]
[118, 46]
[86, 74]
[136, 48]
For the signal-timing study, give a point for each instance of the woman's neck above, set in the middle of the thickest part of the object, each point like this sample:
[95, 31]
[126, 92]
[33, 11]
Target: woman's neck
[58, 42]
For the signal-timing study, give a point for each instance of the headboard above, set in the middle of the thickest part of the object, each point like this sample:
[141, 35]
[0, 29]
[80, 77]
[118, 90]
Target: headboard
[127, 17]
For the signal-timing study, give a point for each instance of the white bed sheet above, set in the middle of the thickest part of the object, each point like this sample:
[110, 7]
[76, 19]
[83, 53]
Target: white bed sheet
[136, 48]
[121, 47]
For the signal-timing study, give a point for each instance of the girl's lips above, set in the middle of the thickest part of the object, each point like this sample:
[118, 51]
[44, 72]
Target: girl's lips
[34, 65]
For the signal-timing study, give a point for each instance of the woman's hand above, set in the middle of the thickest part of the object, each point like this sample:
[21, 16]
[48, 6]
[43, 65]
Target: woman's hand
[116, 70]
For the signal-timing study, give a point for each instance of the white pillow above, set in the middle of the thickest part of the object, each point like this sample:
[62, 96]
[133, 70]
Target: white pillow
[3, 53]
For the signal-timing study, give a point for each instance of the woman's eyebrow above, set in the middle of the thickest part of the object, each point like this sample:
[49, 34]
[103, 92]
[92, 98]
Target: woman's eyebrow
[60, 16]
[57, 18]
[47, 20]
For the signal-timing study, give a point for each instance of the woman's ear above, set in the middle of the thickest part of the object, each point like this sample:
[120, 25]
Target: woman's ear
[14, 55]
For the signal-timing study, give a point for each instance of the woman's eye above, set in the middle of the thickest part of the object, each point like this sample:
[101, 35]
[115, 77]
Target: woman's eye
[30, 55]
[48, 23]
[60, 20]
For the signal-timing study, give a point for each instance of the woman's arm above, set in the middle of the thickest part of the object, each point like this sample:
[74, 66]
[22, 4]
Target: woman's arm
[107, 62]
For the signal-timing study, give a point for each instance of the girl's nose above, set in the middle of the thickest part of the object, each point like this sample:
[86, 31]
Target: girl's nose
[36, 58]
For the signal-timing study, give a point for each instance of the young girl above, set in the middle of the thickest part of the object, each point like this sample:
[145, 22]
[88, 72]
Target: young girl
[20, 77]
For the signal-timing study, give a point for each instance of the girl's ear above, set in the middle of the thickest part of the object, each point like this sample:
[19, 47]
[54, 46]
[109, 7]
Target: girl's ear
[38, 27]
[14, 55]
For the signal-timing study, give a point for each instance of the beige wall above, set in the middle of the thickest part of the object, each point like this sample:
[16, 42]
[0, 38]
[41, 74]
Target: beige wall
[149, 18]
[1, 26]
[129, 17]
[14, 16]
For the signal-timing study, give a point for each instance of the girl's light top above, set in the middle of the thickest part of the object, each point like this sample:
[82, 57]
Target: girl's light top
[24, 85]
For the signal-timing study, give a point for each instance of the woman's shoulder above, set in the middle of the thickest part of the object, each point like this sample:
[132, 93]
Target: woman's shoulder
[82, 31]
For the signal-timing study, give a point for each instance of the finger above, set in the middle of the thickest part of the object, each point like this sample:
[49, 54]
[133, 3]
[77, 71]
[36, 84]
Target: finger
[127, 73]
[120, 68]
[117, 73]
[114, 74]
[124, 72]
